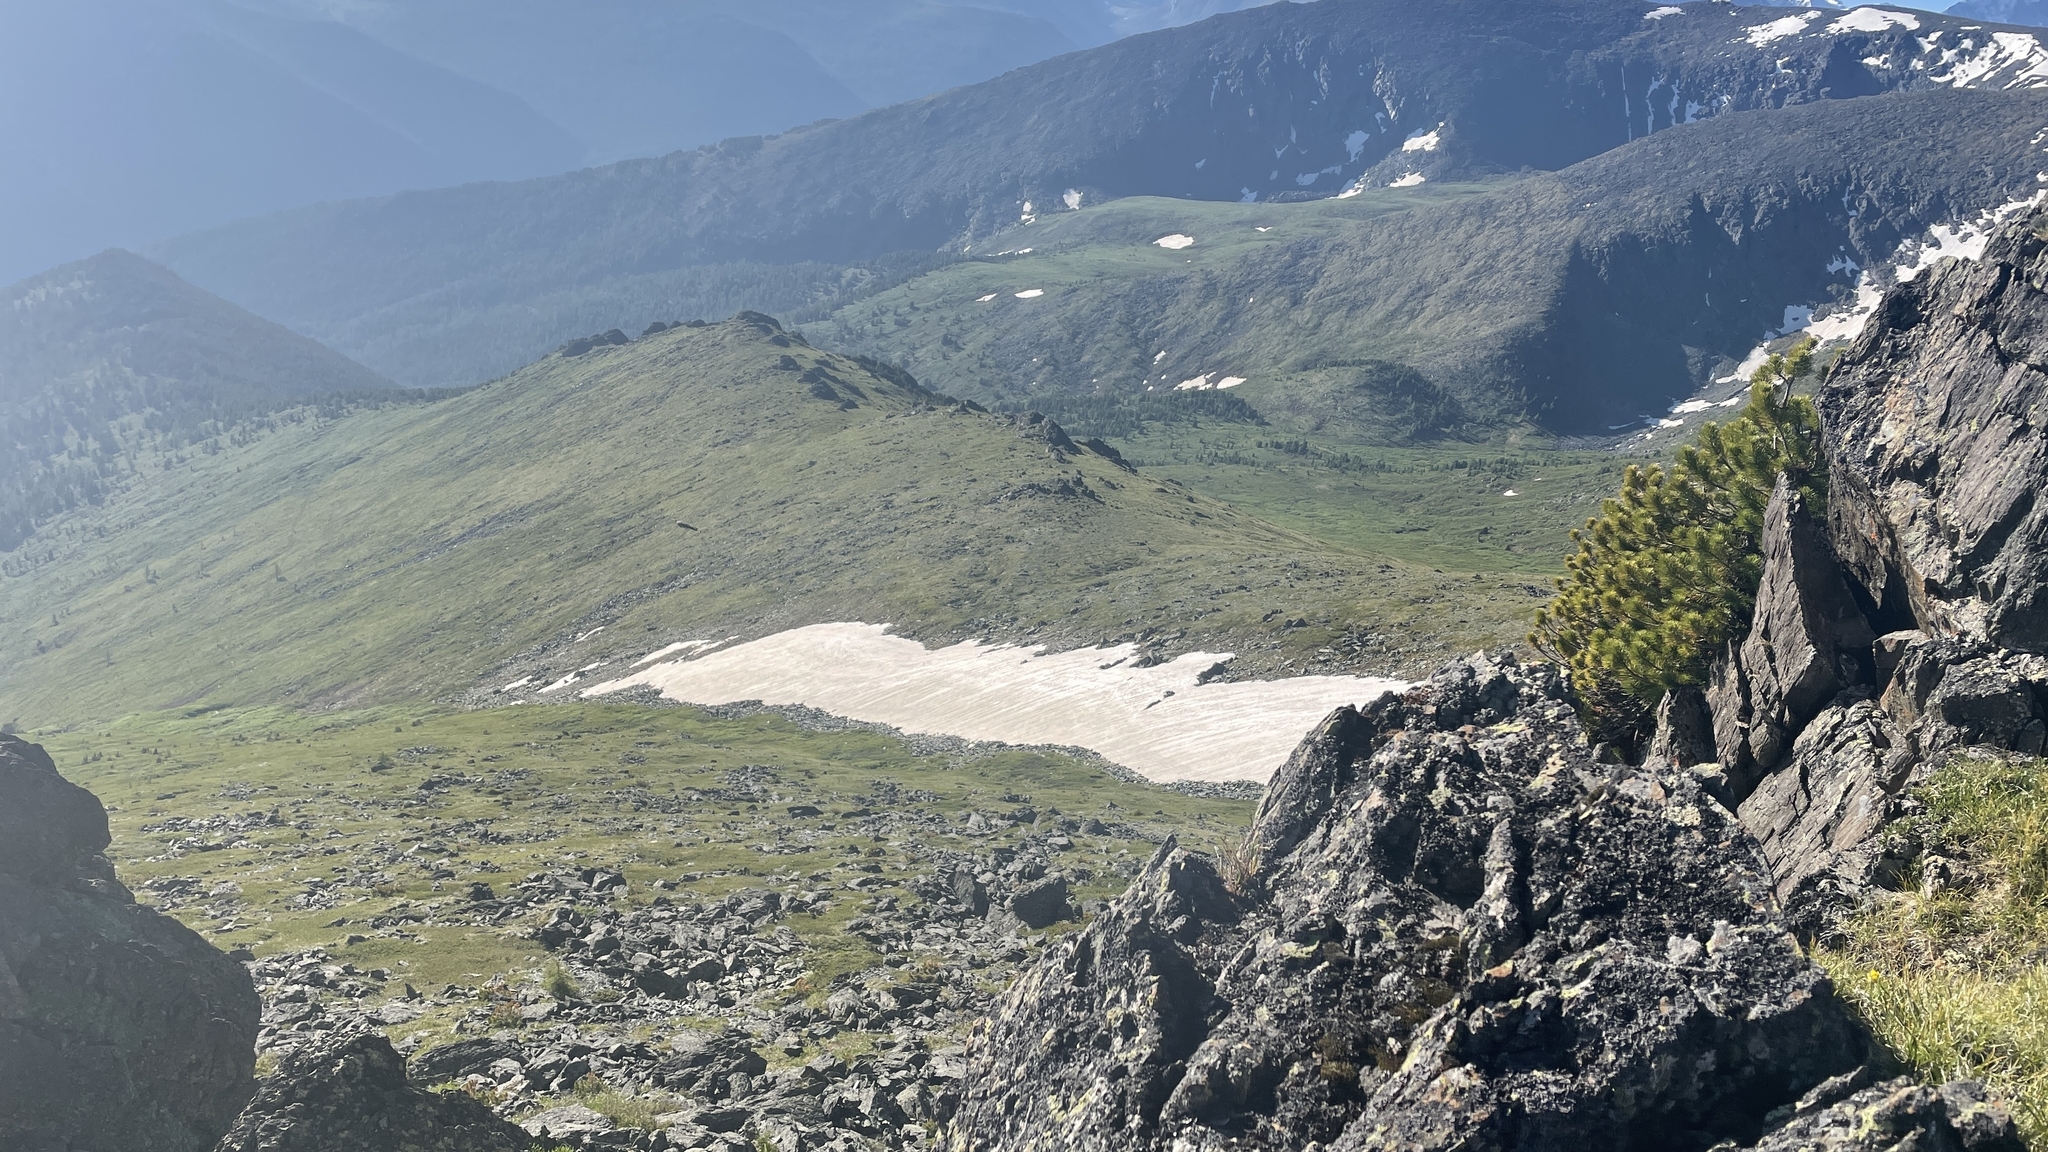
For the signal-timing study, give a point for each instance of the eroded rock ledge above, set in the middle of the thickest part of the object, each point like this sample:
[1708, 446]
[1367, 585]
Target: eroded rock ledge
[1458, 931]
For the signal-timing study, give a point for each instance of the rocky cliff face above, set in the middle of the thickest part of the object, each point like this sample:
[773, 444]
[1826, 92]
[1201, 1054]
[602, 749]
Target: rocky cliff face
[1452, 926]
[1937, 426]
[119, 1027]
[1457, 931]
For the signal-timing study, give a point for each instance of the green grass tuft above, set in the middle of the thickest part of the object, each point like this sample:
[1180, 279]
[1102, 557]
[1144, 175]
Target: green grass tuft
[1948, 970]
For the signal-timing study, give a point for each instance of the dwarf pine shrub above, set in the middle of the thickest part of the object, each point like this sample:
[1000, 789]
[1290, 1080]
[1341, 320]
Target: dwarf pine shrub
[1668, 571]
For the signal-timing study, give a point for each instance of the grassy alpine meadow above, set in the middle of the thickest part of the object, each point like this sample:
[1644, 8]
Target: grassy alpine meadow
[362, 833]
[694, 484]
[1948, 971]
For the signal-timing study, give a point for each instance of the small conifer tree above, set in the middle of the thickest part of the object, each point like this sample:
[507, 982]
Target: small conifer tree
[1668, 571]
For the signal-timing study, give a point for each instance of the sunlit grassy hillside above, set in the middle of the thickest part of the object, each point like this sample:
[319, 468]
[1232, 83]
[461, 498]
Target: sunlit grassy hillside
[698, 482]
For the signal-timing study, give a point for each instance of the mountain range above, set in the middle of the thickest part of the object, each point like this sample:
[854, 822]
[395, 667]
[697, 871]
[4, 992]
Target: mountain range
[140, 119]
[459, 285]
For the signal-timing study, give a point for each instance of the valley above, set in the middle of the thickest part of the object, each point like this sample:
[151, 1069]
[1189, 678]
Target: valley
[1352, 576]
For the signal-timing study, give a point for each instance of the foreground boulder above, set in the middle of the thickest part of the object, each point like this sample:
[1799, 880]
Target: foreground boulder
[119, 1028]
[1449, 928]
[349, 1093]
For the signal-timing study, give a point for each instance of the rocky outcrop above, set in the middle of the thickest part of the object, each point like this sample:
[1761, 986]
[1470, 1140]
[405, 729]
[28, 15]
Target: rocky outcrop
[349, 1093]
[1808, 639]
[1937, 439]
[1896, 1116]
[119, 1027]
[1818, 818]
[1684, 735]
[1456, 930]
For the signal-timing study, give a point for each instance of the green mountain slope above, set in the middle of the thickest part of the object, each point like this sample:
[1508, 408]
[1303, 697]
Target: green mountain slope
[408, 553]
[1578, 299]
[113, 366]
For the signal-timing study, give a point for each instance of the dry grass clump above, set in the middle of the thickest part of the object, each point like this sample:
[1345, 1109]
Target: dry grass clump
[1948, 971]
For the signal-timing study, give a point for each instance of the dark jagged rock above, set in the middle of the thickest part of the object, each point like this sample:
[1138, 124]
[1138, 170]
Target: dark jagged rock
[1896, 1116]
[1818, 818]
[1727, 696]
[1954, 693]
[462, 1058]
[1477, 937]
[1937, 438]
[1043, 904]
[119, 1027]
[350, 1093]
[1684, 735]
[1808, 639]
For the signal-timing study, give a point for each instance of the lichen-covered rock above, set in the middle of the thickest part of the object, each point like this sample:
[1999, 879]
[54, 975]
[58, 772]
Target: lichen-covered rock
[1818, 818]
[1808, 639]
[119, 1027]
[348, 1093]
[1936, 424]
[1684, 735]
[1459, 932]
[1842, 1115]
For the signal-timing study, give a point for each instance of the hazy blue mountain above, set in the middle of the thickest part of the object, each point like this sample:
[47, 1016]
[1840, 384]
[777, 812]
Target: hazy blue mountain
[129, 120]
[2033, 13]
[888, 51]
[633, 79]
[627, 78]
[112, 365]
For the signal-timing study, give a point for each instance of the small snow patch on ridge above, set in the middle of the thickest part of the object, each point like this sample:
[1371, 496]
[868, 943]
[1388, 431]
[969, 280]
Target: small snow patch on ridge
[1763, 34]
[1176, 241]
[1072, 199]
[1660, 13]
[1030, 294]
[1409, 181]
[985, 299]
[1873, 20]
[1423, 141]
[1209, 381]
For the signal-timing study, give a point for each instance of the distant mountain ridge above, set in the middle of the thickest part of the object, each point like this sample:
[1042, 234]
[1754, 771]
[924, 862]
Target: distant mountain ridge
[1580, 299]
[109, 364]
[1283, 102]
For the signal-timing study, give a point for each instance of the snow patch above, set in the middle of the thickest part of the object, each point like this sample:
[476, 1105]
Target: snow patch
[1423, 141]
[1249, 197]
[1163, 721]
[1209, 381]
[1411, 180]
[1029, 294]
[1355, 143]
[987, 298]
[1763, 34]
[2006, 60]
[1661, 13]
[1176, 241]
[1873, 20]
[1072, 199]
[1963, 241]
